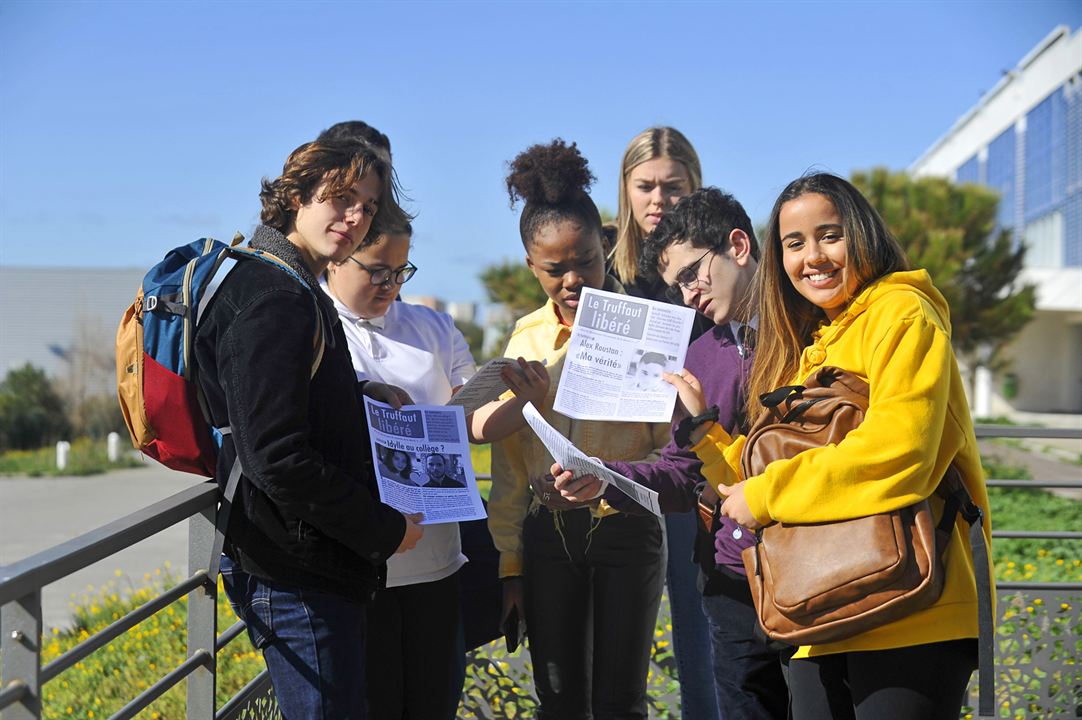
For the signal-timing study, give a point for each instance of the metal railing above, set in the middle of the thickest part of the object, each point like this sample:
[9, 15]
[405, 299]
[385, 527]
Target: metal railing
[1036, 670]
[20, 598]
[21, 584]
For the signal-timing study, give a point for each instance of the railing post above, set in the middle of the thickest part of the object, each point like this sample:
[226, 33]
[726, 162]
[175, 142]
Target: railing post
[202, 616]
[21, 645]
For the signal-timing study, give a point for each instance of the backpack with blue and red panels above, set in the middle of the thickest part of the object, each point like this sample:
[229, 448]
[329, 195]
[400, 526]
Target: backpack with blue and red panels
[155, 361]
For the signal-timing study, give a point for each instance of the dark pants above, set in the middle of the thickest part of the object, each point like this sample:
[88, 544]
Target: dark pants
[690, 632]
[592, 593]
[312, 642]
[922, 682]
[748, 675]
[415, 651]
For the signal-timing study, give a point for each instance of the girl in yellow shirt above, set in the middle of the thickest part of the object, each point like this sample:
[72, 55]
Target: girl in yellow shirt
[587, 579]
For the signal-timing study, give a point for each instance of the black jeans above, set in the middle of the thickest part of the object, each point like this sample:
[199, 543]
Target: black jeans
[415, 651]
[748, 675]
[592, 588]
[922, 682]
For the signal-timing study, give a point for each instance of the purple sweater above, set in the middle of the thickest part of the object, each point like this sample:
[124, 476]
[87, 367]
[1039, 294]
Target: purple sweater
[714, 358]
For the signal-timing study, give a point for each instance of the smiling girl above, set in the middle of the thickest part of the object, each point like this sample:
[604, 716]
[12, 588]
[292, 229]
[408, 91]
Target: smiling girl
[834, 290]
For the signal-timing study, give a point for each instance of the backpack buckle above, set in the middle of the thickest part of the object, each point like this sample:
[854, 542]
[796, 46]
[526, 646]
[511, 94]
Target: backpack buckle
[149, 303]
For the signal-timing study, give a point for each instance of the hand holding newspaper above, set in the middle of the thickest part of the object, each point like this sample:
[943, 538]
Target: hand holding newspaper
[573, 459]
[619, 347]
[485, 386]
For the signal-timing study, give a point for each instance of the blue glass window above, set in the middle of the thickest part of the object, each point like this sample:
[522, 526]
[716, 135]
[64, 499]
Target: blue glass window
[1072, 207]
[1046, 156]
[1000, 170]
[969, 171]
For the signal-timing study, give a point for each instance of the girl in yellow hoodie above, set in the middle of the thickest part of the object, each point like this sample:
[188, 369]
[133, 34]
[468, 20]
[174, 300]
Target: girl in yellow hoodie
[834, 289]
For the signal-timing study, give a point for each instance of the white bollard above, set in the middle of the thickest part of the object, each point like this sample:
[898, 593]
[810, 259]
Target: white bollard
[982, 393]
[112, 447]
[62, 449]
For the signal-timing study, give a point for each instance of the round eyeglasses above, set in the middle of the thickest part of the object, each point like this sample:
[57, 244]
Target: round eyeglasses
[686, 278]
[383, 275]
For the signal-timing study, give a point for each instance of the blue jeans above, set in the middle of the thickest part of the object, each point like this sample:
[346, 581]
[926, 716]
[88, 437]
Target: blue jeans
[313, 643]
[748, 669]
[691, 638]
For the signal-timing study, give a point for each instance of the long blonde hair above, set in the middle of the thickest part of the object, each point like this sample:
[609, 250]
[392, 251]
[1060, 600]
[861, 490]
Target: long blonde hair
[787, 321]
[648, 145]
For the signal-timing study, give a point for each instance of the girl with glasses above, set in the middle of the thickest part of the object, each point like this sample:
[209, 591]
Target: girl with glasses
[415, 650]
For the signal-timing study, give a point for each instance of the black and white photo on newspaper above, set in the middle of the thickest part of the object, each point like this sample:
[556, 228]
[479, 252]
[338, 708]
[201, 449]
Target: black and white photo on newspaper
[423, 464]
[619, 347]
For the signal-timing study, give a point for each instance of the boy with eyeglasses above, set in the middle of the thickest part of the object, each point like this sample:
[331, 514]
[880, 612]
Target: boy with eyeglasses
[706, 253]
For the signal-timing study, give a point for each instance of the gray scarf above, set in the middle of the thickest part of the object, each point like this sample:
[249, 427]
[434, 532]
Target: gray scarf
[270, 240]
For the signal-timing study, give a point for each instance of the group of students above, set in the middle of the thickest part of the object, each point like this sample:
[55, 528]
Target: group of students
[355, 605]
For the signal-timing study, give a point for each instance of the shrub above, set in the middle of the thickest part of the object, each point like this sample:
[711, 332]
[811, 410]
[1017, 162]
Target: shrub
[31, 411]
[97, 416]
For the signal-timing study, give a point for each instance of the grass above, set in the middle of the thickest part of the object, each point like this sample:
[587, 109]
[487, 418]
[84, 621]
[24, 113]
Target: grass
[101, 684]
[1032, 509]
[86, 457]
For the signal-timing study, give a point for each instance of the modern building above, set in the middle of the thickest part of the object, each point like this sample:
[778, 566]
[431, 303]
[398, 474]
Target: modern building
[64, 321]
[1024, 140]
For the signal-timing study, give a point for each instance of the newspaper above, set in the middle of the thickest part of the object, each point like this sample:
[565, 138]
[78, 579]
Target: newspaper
[485, 386]
[573, 459]
[423, 465]
[618, 349]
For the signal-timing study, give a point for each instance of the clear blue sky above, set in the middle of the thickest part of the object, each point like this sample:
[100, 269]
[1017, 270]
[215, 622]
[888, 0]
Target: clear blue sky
[127, 128]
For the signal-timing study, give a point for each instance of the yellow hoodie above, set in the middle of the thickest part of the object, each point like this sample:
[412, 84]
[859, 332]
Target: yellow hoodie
[896, 335]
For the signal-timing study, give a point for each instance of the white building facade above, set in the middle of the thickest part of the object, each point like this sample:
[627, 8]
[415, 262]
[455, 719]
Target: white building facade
[1024, 140]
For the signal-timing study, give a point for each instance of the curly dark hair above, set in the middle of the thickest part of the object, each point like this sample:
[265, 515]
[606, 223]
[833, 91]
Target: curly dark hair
[356, 130]
[705, 218]
[553, 181]
[335, 165]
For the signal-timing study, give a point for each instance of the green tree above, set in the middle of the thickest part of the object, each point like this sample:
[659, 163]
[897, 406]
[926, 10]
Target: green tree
[97, 416]
[475, 337]
[31, 412]
[950, 230]
[512, 284]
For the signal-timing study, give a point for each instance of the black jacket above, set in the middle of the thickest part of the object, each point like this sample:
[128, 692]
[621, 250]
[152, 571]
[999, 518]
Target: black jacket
[306, 511]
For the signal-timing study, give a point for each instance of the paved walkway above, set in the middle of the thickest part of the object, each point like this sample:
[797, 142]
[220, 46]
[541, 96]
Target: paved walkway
[39, 513]
[1041, 465]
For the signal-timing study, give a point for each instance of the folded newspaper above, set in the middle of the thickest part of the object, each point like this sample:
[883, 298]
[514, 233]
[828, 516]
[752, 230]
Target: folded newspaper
[423, 464]
[619, 347]
[485, 386]
[579, 463]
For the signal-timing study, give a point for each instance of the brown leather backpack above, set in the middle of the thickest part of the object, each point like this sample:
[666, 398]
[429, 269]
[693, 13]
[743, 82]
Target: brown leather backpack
[825, 582]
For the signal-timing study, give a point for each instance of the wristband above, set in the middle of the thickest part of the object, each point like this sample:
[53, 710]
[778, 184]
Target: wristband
[682, 435]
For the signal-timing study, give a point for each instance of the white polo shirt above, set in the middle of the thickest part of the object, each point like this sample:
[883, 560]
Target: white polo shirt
[421, 351]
